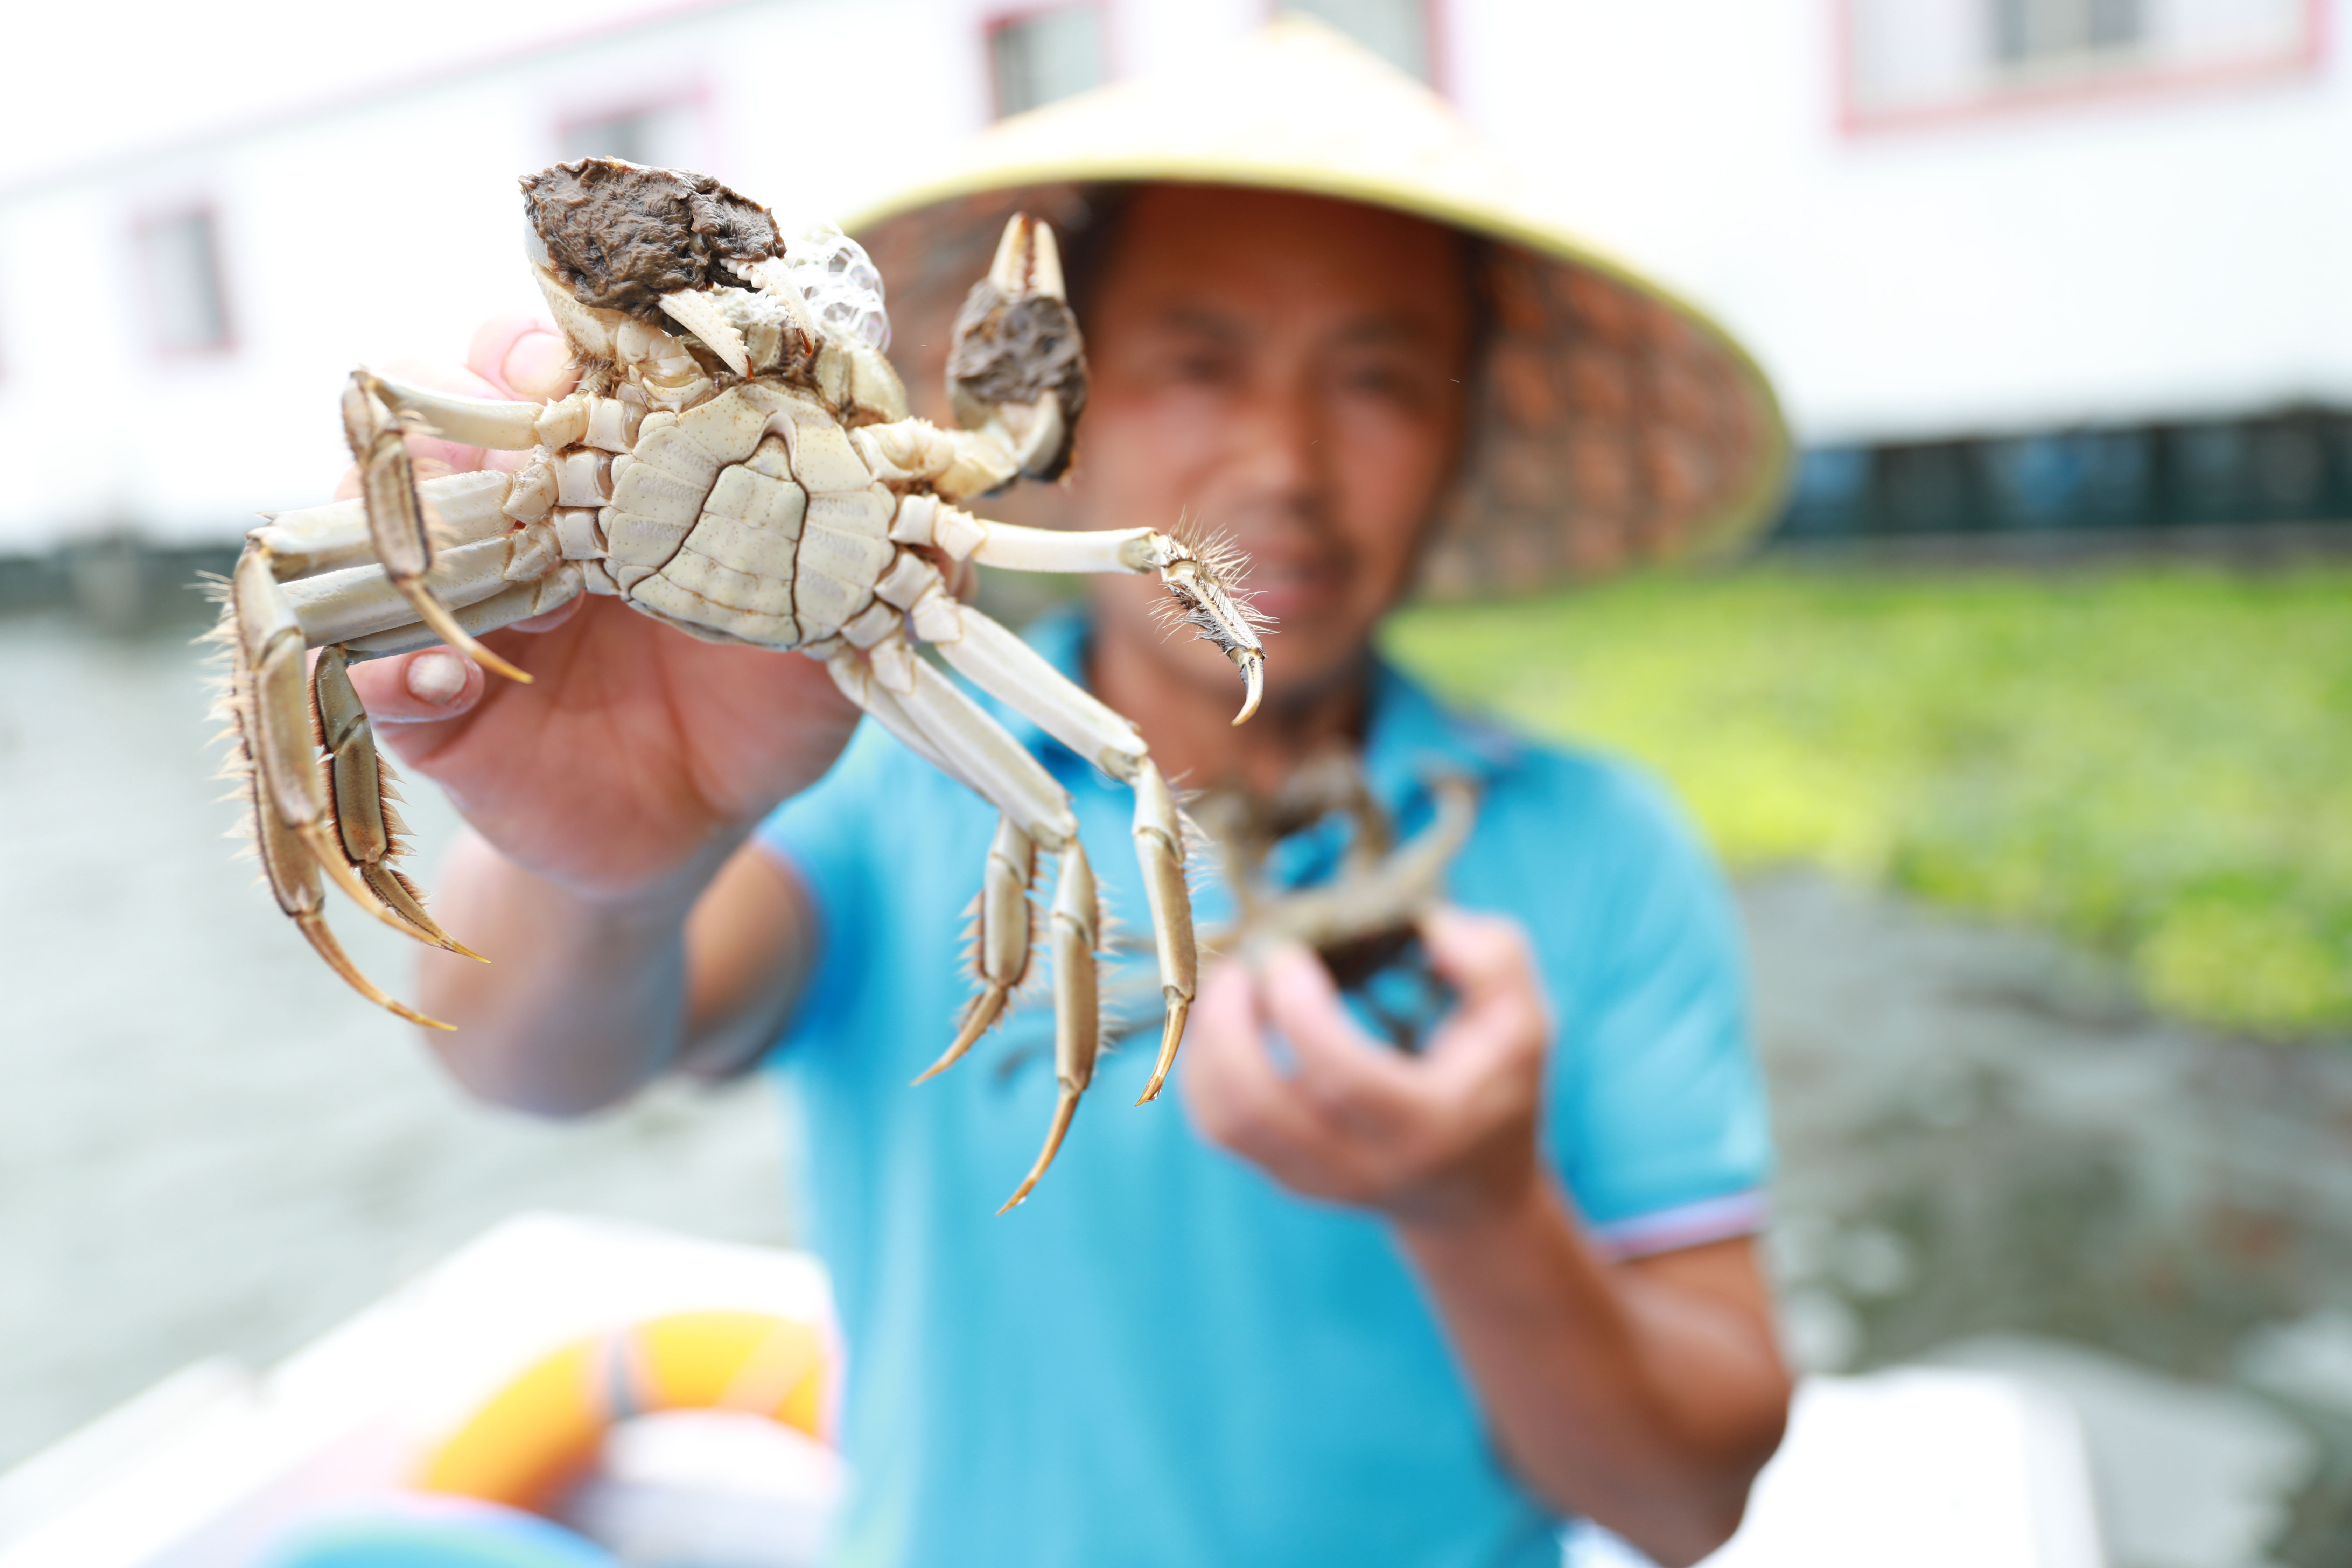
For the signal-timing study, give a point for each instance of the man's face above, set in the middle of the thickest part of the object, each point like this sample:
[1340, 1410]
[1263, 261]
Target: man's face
[1287, 370]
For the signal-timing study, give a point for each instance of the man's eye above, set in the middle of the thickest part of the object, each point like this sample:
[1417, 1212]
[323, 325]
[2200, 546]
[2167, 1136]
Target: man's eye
[1201, 369]
[1388, 383]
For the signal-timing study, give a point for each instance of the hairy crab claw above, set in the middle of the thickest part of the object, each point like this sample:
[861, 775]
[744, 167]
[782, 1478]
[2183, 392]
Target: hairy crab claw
[1019, 369]
[739, 462]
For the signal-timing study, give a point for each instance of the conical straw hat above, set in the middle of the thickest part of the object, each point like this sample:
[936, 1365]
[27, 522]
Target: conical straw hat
[1615, 422]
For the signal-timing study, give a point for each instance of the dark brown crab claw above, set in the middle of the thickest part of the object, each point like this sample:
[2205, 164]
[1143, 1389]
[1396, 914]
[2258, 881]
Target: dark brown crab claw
[1018, 367]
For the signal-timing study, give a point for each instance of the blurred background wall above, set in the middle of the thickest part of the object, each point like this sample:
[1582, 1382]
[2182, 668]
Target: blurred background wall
[2016, 265]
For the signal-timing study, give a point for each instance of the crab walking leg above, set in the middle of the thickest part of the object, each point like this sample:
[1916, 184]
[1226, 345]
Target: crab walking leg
[1077, 932]
[1000, 664]
[856, 680]
[1195, 578]
[942, 725]
[467, 421]
[313, 540]
[293, 873]
[363, 817]
[395, 517]
[1159, 849]
[517, 602]
[270, 697]
[1000, 939]
[1002, 944]
[1020, 787]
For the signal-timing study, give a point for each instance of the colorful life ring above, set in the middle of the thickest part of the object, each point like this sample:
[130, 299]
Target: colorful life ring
[542, 1431]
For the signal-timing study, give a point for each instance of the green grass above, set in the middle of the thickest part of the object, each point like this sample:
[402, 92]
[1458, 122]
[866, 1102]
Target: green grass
[2158, 762]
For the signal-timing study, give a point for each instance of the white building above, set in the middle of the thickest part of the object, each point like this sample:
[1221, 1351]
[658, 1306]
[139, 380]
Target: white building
[2115, 229]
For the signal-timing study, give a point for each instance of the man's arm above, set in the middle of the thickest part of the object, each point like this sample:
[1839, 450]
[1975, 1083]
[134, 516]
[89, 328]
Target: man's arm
[1644, 1395]
[593, 999]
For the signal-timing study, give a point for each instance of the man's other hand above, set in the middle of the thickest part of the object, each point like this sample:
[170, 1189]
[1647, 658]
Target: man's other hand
[1448, 1134]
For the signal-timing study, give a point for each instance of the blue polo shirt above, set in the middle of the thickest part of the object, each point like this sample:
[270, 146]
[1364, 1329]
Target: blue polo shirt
[1163, 1357]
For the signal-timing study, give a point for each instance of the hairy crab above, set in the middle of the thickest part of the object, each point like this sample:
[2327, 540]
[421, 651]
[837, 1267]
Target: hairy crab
[1362, 918]
[738, 462]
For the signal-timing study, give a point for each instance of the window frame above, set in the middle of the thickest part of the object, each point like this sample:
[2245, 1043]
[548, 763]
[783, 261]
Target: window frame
[1000, 19]
[2121, 84]
[1435, 42]
[693, 97]
[144, 222]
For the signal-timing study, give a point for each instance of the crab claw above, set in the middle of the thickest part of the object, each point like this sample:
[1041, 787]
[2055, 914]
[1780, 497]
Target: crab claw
[698, 312]
[1204, 581]
[1018, 370]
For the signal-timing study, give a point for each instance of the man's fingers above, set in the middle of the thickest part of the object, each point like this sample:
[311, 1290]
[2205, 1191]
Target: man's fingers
[1504, 1013]
[1230, 1084]
[420, 687]
[1342, 1068]
[1479, 955]
[523, 357]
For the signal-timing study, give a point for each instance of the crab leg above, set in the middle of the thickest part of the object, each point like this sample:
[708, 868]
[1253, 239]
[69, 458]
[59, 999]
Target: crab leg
[1001, 938]
[269, 697]
[467, 421]
[304, 544]
[1016, 372]
[1077, 1033]
[1001, 771]
[1160, 849]
[515, 602]
[1196, 576]
[293, 873]
[396, 530]
[1000, 664]
[369, 829]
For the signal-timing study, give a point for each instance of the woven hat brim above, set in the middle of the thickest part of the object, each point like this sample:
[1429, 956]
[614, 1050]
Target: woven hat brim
[1615, 422]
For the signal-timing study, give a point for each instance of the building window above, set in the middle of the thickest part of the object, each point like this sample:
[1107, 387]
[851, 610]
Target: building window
[178, 254]
[2291, 468]
[659, 135]
[1041, 55]
[1912, 60]
[2030, 33]
[1396, 30]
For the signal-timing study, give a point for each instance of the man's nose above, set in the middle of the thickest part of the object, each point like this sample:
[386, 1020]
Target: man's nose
[1283, 453]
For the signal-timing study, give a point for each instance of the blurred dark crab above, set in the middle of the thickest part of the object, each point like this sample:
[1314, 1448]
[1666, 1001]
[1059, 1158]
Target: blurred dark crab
[1363, 920]
[739, 462]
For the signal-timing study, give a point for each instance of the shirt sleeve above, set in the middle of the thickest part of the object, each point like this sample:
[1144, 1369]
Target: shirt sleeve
[1658, 1118]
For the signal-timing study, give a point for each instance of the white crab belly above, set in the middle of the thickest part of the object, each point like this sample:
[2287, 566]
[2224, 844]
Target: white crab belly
[750, 519]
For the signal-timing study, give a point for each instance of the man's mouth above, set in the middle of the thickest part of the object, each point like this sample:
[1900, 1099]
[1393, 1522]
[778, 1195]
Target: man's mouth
[1284, 586]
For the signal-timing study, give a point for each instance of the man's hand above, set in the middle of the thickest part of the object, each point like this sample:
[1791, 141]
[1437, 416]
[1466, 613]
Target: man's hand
[637, 749]
[1643, 1394]
[1422, 1138]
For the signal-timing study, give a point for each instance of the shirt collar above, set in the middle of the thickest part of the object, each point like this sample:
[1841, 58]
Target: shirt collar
[1411, 737]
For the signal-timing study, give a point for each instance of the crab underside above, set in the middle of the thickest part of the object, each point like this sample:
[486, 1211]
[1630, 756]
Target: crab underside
[739, 462]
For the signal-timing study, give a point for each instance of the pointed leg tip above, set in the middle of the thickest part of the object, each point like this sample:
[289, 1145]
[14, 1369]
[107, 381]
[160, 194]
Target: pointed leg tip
[1017, 1199]
[437, 615]
[1252, 667]
[984, 1010]
[1171, 1034]
[1065, 1106]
